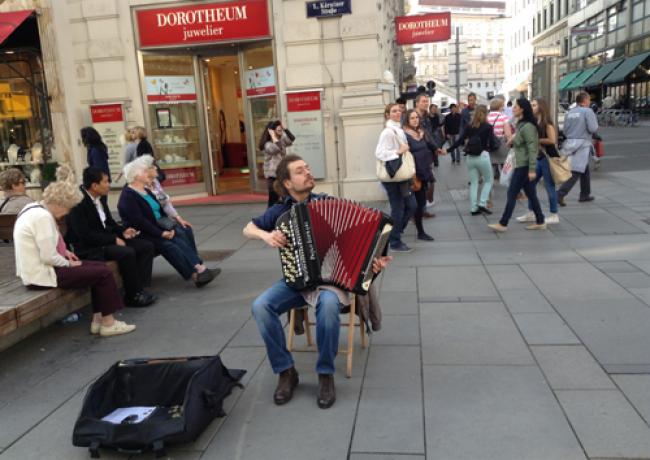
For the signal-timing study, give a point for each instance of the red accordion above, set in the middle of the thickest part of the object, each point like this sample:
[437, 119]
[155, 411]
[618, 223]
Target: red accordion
[332, 241]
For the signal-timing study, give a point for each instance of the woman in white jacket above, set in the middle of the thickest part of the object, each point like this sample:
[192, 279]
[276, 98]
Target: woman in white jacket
[42, 260]
[392, 143]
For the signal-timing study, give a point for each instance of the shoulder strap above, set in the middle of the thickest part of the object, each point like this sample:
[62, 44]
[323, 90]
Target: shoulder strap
[6, 200]
[27, 209]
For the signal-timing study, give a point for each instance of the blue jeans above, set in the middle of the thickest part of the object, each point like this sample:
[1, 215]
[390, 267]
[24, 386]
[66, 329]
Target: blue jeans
[279, 299]
[402, 208]
[180, 251]
[520, 181]
[455, 154]
[479, 166]
[544, 170]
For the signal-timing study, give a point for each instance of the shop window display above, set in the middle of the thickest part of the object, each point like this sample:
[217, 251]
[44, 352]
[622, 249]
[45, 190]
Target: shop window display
[172, 106]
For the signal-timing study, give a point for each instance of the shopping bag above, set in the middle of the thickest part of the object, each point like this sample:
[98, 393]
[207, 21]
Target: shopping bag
[508, 169]
[560, 168]
[599, 148]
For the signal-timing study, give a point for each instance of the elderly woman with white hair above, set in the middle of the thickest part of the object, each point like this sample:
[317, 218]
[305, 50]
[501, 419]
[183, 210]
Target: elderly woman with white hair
[42, 260]
[139, 208]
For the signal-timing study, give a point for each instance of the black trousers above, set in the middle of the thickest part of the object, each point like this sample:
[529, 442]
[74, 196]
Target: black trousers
[135, 261]
[273, 197]
[585, 184]
[421, 201]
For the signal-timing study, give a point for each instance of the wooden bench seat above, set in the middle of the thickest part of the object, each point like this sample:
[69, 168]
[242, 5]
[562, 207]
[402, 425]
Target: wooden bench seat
[24, 311]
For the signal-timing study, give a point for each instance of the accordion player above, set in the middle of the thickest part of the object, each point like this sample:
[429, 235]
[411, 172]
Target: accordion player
[332, 241]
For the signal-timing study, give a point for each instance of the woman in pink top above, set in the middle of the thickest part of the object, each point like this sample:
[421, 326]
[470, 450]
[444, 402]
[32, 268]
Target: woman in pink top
[502, 130]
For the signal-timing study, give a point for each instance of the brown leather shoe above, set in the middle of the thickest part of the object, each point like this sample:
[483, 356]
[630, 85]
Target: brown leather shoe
[287, 381]
[428, 215]
[326, 391]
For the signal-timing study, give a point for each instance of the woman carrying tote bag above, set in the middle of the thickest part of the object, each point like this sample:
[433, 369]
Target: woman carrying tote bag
[392, 146]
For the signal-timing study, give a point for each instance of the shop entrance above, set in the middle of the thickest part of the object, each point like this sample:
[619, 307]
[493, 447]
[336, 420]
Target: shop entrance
[240, 100]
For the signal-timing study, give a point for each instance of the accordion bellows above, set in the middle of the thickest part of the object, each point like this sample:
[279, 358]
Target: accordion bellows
[332, 241]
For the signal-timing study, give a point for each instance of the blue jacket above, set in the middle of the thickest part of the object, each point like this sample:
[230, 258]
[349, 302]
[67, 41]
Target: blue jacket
[136, 212]
[98, 158]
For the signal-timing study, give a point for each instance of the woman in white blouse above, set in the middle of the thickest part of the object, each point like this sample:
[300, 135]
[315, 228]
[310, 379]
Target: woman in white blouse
[392, 143]
[42, 260]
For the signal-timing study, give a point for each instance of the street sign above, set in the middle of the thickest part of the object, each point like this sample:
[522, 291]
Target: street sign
[327, 9]
[548, 51]
[586, 30]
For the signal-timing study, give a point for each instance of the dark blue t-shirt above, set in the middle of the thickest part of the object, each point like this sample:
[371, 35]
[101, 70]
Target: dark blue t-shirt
[267, 220]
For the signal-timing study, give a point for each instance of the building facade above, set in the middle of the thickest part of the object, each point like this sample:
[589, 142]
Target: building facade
[205, 79]
[518, 46]
[481, 26]
[604, 46]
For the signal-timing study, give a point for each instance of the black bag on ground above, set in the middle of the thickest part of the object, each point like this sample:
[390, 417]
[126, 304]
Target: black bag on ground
[187, 394]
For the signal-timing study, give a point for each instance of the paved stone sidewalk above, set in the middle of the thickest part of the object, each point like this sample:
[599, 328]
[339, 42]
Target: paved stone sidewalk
[518, 346]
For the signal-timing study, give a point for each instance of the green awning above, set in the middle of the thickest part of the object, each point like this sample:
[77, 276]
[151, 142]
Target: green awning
[597, 78]
[580, 80]
[627, 67]
[568, 78]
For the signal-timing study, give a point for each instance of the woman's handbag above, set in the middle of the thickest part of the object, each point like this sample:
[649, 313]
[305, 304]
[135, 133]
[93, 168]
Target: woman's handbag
[405, 171]
[166, 223]
[599, 148]
[560, 168]
[416, 184]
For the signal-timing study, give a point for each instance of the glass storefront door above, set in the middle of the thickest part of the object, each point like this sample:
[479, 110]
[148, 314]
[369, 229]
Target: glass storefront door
[262, 102]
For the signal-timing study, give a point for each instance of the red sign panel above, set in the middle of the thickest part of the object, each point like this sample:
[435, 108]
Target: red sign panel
[425, 28]
[303, 102]
[180, 176]
[106, 113]
[204, 23]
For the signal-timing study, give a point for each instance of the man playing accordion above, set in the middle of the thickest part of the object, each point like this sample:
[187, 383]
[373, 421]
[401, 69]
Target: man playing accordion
[294, 183]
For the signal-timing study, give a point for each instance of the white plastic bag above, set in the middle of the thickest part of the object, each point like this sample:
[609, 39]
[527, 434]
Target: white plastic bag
[508, 169]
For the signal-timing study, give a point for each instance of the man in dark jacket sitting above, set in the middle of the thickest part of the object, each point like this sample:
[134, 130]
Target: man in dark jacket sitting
[94, 235]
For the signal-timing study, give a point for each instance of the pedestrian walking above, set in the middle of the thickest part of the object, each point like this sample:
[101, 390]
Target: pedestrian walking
[423, 149]
[467, 112]
[96, 150]
[451, 129]
[502, 131]
[274, 142]
[144, 147]
[392, 143]
[422, 108]
[479, 136]
[547, 149]
[130, 151]
[580, 123]
[526, 146]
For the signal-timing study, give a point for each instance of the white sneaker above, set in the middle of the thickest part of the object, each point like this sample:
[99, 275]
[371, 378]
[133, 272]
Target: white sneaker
[94, 328]
[431, 203]
[552, 219]
[117, 328]
[528, 217]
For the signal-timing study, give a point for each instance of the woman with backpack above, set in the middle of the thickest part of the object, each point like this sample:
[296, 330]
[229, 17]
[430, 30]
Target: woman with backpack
[526, 147]
[479, 136]
[502, 131]
[97, 152]
[547, 148]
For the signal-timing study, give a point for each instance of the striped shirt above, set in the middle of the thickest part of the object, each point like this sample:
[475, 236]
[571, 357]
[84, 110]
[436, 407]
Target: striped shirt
[497, 120]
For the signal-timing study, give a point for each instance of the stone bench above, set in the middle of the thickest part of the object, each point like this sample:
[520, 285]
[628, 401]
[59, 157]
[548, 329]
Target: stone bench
[24, 311]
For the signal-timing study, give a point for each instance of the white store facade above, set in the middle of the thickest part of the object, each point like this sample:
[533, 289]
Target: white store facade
[205, 78]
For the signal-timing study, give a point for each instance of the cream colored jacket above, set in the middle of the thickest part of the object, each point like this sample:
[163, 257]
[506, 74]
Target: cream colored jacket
[35, 238]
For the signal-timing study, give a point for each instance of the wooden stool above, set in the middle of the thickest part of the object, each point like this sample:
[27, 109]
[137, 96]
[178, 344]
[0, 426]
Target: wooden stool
[351, 325]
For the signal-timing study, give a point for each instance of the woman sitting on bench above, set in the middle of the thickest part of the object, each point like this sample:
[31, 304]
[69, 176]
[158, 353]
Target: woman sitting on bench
[42, 260]
[12, 182]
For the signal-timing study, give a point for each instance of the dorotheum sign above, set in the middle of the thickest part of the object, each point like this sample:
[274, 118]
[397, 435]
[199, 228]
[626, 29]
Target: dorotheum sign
[203, 23]
[424, 28]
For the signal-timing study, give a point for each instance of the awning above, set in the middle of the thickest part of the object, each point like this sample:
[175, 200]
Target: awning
[568, 78]
[11, 21]
[597, 78]
[627, 67]
[579, 81]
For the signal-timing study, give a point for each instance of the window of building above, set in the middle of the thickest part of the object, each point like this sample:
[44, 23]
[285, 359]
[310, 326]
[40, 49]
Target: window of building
[552, 14]
[469, 84]
[539, 22]
[637, 10]
[478, 84]
[545, 19]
